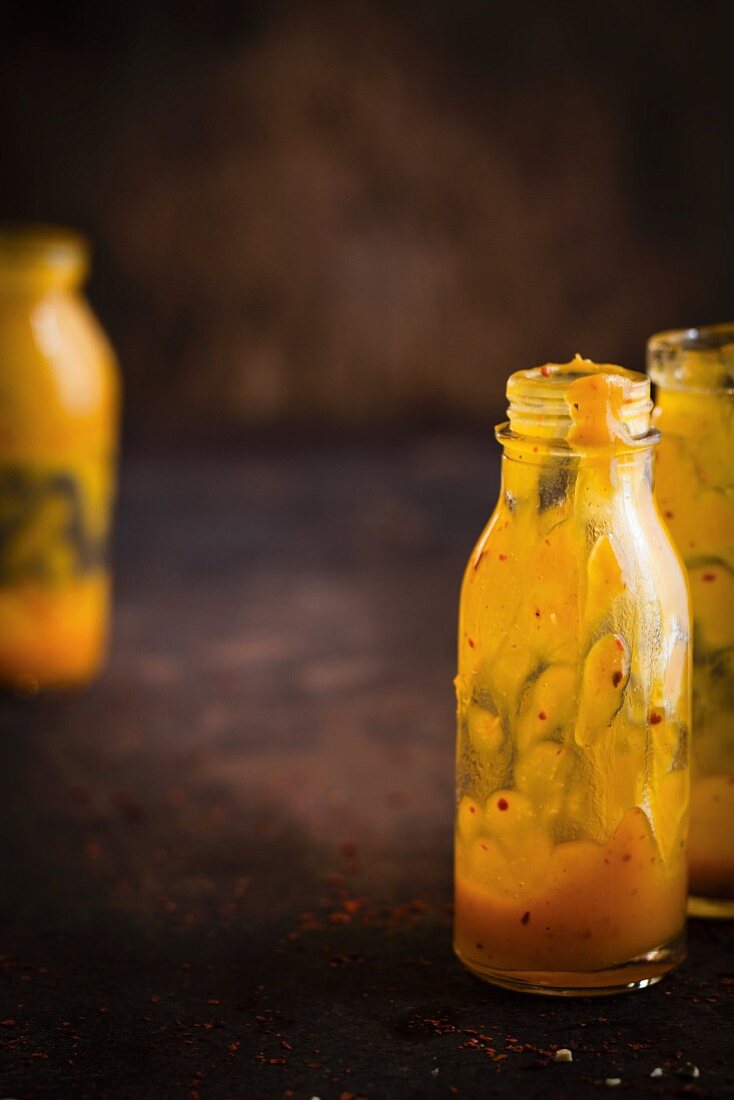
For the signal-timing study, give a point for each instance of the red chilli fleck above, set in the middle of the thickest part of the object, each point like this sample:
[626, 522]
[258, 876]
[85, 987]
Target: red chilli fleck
[655, 718]
[617, 678]
[709, 577]
[472, 643]
[542, 715]
[545, 370]
[503, 804]
[525, 918]
[620, 644]
[503, 557]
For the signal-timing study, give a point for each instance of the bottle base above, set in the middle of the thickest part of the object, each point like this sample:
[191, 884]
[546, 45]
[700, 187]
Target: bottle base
[637, 973]
[711, 908]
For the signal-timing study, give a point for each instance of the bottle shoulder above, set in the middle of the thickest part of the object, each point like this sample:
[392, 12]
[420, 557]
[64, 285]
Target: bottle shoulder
[625, 547]
[484, 543]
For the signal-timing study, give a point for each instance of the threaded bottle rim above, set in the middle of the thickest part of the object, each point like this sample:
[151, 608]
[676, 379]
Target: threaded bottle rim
[543, 405]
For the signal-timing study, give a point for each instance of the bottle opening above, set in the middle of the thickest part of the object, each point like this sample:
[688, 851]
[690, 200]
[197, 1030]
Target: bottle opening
[36, 257]
[579, 405]
[697, 360]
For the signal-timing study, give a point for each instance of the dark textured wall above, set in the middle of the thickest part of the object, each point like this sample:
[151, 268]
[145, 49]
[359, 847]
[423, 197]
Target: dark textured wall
[371, 212]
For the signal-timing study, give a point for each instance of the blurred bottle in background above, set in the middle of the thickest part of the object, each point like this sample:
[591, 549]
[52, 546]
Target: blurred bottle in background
[59, 401]
[693, 370]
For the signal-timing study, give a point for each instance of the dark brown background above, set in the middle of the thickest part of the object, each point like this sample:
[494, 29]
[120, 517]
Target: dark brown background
[373, 212]
[225, 869]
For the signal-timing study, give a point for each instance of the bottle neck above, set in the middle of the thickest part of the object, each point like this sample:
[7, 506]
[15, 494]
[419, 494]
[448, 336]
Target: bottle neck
[550, 479]
[695, 361]
[577, 423]
[37, 259]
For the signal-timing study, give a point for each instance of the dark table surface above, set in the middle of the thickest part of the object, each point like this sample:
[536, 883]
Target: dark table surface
[226, 866]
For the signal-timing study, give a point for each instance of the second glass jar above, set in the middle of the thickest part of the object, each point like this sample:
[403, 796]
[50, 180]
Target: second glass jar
[693, 370]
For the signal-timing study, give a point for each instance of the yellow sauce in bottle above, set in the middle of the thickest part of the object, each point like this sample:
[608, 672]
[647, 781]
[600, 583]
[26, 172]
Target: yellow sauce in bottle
[694, 373]
[59, 397]
[573, 700]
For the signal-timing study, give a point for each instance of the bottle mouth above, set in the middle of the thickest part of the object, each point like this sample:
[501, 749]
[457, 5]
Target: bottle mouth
[693, 360]
[41, 256]
[579, 405]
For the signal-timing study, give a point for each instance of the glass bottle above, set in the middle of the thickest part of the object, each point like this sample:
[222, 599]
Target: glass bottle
[573, 700]
[59, 396]
[693, 370]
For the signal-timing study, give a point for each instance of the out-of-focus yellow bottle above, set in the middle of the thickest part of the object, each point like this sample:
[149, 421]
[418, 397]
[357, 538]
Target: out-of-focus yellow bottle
[59, 398]
[694, 373]
[573, 698]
